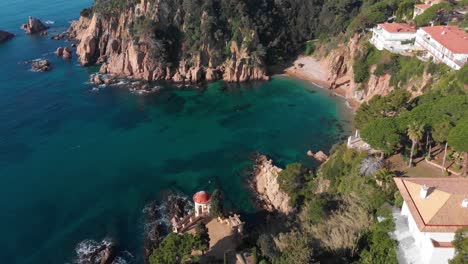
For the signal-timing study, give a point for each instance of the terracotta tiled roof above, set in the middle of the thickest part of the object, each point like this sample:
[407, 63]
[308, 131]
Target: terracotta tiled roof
[441, 211]
[202, 197]
[451, 37]
[422, 6]
[397, 27]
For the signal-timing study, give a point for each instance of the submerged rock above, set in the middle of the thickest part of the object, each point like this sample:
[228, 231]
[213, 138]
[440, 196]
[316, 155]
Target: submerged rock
[34, 26]
[4, 36]
[59, 36]
[41, 65]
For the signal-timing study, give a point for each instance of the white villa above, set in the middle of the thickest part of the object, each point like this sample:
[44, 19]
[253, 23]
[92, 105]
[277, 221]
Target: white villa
[394, 37]
[435, 209]
[447, 44]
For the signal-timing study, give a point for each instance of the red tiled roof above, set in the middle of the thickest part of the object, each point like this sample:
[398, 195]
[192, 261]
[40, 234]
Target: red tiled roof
[422, 6]
[441, 211]
[451, 37]
[202, 197]
[397, 28]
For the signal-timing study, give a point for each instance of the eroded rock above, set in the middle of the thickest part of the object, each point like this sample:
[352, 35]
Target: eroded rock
[265, 184]
[64, 52]
[41, 65]
[34, 26]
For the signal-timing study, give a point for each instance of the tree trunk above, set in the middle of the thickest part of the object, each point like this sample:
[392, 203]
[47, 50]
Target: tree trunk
[465, 163]
[411, 155]
[381, 154]
[445, 155]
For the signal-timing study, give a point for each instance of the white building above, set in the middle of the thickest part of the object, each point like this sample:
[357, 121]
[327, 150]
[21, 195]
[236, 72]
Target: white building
[435, 209]
[446, 44]
[394, 37]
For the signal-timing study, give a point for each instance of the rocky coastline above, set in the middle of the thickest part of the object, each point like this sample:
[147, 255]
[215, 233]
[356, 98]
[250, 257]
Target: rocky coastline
[263, 182]
[109, 42]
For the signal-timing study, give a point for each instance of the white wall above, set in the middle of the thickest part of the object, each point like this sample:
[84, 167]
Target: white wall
[383, 39]
[430, 255]
[438, 51]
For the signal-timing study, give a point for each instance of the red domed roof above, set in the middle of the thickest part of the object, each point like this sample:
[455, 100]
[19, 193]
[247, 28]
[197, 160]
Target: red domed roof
[201, 197]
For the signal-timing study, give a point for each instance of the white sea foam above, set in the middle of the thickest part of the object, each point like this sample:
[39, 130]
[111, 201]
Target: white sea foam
[49, 22]
[91, 252]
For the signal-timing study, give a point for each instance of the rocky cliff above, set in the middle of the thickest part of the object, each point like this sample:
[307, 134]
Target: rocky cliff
[340, 74]
[155, 40]
[265, 184]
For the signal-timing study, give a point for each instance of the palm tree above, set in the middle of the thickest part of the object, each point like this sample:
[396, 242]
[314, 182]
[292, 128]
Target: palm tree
[415, 132]
[384, 177]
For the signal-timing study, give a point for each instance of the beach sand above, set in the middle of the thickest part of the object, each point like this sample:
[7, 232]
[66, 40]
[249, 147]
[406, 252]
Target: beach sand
[316, 72]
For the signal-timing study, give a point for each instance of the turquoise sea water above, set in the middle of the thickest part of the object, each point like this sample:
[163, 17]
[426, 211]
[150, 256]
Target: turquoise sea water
[76, 164]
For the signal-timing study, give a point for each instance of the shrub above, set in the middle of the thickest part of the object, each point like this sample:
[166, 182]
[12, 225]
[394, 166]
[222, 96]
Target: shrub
[86, 12]
[310, 48]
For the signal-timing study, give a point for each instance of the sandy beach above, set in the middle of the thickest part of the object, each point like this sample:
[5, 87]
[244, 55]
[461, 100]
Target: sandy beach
[316, 72]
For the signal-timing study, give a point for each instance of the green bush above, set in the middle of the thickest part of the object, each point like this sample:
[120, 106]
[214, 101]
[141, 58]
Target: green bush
[310, 48]
[432, 13]
[86, 12]
[292, 180]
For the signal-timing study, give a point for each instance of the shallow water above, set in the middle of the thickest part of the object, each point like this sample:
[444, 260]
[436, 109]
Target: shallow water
[77, 165]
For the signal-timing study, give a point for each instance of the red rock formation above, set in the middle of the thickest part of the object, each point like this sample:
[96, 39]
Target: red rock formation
[107, 40]
[34, 26]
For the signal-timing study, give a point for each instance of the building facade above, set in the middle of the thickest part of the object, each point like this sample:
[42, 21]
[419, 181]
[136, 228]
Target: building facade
[446, 44]
[435, 209]
[394, 37]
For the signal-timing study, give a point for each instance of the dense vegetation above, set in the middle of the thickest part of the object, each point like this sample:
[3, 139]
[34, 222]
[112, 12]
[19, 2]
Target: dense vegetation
[282, 27]
[461, 247]
[338, 211]
[177, 248]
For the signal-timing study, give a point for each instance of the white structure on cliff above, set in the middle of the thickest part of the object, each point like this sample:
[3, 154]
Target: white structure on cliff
[356, 142]
[435, 209]
[202, 201]
[394, 37]
[447, 44]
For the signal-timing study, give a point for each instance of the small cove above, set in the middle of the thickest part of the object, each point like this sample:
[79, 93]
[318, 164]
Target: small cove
[79, 165]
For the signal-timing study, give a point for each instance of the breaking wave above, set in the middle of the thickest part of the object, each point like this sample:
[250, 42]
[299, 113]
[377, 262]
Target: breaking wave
[92, 252]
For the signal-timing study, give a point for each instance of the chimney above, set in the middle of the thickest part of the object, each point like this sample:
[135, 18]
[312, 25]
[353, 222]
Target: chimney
[423, 193]
[465, 203]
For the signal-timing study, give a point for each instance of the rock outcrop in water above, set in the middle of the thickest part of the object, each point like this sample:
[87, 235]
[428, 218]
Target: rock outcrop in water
[65, 53]
[4, 36]
[41, 65]
[153, 41]
[264, 182]
[34, 26]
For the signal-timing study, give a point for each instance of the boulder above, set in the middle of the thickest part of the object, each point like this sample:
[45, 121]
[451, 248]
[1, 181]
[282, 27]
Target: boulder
[4, 36]
[67, 53]
[41, 65]
[34, 26]
[64, 52]
[59, 36]
[319, 156]
[96, 79]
